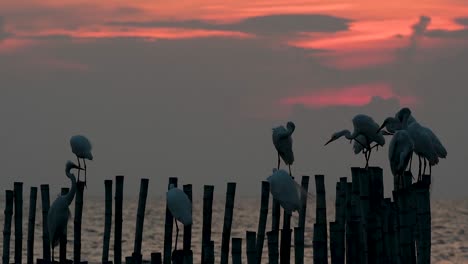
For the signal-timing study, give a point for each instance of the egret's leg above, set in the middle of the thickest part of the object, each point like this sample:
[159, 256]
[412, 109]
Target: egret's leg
[84, 161]
[289, 165]
[79, 165]
[424, 171]
[410, 162]
[278, 160]
[52, 254]
[177, 233]
[419, 173]
[430, 170]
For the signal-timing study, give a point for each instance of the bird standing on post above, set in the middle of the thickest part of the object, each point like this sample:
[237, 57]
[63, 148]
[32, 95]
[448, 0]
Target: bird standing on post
[285, 190]
[180, 207]
[59, 212]
[399, 154]
[282, 141]
[363, 126]
[81, 147]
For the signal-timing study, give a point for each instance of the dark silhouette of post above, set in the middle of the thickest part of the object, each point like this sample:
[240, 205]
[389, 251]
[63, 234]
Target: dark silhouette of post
[320, 246]
[7, 225]
[273, 254]
[156, 258]
[265, 199]
[236, 250]
[45, 232]
[209, 258]
[299, 245]
[107, 221]
[119, 184]
[77, 222]
[228, 213]
[168, 226]
[299, 248]
[63, 239]
[31, 225]
[424, 219]
[275, 215]
[250, 238]
[140, 219]
[207, 217]
[18, 191]
[187, 246]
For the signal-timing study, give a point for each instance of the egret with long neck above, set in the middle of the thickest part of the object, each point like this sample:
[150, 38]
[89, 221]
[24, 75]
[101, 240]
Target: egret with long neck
[282, 140]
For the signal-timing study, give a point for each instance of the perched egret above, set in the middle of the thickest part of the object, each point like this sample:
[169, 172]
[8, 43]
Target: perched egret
[399, 153]
[59, 213]
[363, 126]
[285, 190]
[81, 147]
[283, 143]
[180, 207]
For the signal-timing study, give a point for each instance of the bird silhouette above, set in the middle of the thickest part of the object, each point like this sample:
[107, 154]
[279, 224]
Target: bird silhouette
[59, 212]
[399, 154]
[180, 207]
[81, 147]
[282, 141]
[285, 190]
[364, 127]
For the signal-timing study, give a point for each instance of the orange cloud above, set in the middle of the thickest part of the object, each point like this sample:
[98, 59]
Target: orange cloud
[358, 95]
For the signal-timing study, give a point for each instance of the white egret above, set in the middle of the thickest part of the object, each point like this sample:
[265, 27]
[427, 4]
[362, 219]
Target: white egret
[363, 126]
[285, 190]
[81, 147]
[59, 213]
[399, 154]
[283, 143]
[180, 207]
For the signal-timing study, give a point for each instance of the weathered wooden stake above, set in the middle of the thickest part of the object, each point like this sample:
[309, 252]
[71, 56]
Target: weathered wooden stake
[168, 226]
[320, 246]
[299, 245]
[285, 243]
[45, 232]
[7, 226]
[77, 222]
[424, 219]
[356, 221]
[273, 254]
[334, 249]
[236, 250]
[187, 244]
[63, 239]
[351, 245]
[119, 184]
[299, 248]
[209, 253]
[156, 258]
[107, 221]
[228, 213]
[31, 225]
[402, 198]
[137, 258]
[250, 237]
[18, 192]
[265, 199]
[207, 217]
[275, 215]
[365, 208]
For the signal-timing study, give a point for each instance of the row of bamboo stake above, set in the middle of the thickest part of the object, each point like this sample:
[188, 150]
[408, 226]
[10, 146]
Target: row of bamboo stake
[367, 227]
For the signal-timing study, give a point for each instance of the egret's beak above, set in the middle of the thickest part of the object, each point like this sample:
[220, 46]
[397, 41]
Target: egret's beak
[328, 142]
[382, 126]
[76, 167]
[386, 133]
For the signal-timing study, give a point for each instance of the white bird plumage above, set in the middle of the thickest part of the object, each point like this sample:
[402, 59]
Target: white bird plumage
[285, 190]
[364, 127]
[399, 154]
[282, 140]
[180, 207]
[59, 212]
[81, 147]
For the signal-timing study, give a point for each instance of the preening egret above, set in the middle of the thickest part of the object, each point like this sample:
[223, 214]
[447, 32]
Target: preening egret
[59, 213]
[399, 153]
[81, 147]
[363, 126]
[283, 143]
[180, 207]
[285, 190]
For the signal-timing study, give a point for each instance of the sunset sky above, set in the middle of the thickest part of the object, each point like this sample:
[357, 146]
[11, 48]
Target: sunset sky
[192, 88]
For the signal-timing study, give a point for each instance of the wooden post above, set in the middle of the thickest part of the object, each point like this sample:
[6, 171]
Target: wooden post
[168, 226]
[275, 215]
[424, 219]
[386, 231]
[107, 221]
[18, 192]
[63, 239]
[333, 242]
[207, 217]
[156, 258]
[228, 213]
[187, 244]
[350, 227]
[119, 184]
[7, 225]
[45, 232]
[209, 253]
[340, 212]
[320, 246]
[364, 204]
[137, 258]
[402, 198]
[356, 221]
[265, 199]
[299, 245]
[273, 254]
[285, 243]
[77, 222]
[31, 224]
[236, 250]
[250, 237]
[340, 220]
[395, 238]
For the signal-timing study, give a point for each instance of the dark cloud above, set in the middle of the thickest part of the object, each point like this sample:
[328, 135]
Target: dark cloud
[462, 21]
[263, 25]
[3, 32]
[440, 33]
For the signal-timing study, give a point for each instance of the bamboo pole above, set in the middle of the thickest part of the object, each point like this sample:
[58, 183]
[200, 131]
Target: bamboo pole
[394, 225]
[365, 211]
[45, 200]
[119, 184]
[350, 246]
[188, 229]
[285, 243]
[207, 216]
[228, 213]
[63, 239]
[320, 246]
[140, 219]
[275, 215]
[31, 225]
[402, 198]
[107, 221]
[341, 197]
[18, 192]
[168, 226]
[250, 237]
[77, 222]
[7, 225]
[265, 199]
[356, 219]
[273, 254]
[424, 220]
[299, 245]
[299, 248]
[156, 258]
[209, 253]
[340, 220]
[236, 250]
[334, 249]
[386, 231]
